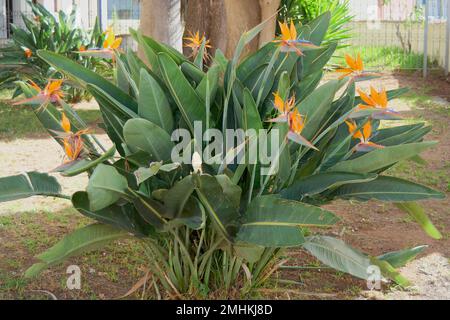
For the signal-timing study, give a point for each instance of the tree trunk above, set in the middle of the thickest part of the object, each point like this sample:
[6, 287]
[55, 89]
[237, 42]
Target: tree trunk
[161, 20]
[222, 21]
[268, 10]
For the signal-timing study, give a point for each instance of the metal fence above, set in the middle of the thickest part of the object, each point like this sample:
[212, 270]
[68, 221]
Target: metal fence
[402, 34]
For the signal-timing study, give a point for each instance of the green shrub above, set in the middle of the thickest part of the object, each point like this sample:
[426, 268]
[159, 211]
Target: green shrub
[216, 225]
[20, 62]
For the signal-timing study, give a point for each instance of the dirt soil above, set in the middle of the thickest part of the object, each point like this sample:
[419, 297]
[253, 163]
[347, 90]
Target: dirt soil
[372, 227]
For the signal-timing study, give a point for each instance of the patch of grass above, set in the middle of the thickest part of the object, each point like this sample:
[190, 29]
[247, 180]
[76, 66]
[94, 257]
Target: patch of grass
[385, 58]
[18, 122]
[438, 178]
[108, 272]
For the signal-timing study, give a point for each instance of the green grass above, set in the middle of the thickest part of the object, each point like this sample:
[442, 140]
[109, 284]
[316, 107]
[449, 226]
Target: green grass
[18, 122]
[25, 235]
[385, 58]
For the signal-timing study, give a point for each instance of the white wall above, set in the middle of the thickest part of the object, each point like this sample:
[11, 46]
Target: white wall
[2, 19]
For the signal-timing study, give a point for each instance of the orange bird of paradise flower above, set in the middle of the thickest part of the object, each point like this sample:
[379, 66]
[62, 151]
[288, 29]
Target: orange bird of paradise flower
[364, 135]
[50, 94]
[292, 116]
[72, 142]
[28, 53]
[194, 41]
[289, 41]
[110, 44]
[355, 66]
[376, 100]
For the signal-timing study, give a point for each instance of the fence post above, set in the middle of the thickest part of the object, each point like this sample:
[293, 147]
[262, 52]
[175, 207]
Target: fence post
[425, 39]
[447, 42]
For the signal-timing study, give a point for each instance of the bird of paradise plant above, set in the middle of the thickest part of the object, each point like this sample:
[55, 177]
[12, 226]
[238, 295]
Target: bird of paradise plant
[215, 226]
[376, 100]
[19, 61]
[73, 142]
[363, 135]
[110, 45]
[289, 41]
[195, 42]
[292, 116]
[52, 93]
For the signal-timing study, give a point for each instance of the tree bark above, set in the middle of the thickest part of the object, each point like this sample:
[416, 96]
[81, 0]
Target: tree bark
[268, 10]
[161, 20]
[222, 21]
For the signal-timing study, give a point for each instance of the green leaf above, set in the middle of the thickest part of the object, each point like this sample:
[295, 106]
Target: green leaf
[252, 119]
[321, 182]
[390, 272]
[108, 102]
[418, 213]
[398, 259]
[316, 106]
[123, 217]
[153, 103]
[274, 222]
[28, 185]
[86, 239]
[219, 203]
[191, 106]
[175, 199]
[147, 136]
[382, 158]
[338, 255]
[387, 189]
[79, 167]
[319, 28]
[106, 186]
[86, 76]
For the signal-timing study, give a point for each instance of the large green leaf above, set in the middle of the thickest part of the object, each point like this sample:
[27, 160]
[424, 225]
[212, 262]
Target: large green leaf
[316, 106]
[147, 136]
[252, 119]
[191, 106]
[28, 185]
[319, 28]
[218, 202]
[108, 102]
[175, 199]
[321, 182]
[387, 189]
[398, 259]
[338, 255]
[382, 158]
[86, 239]
[86, 76]
[84, 165]
[153, 103]
[417, 212]
[123, 217]
[106, 186]
[274, 222]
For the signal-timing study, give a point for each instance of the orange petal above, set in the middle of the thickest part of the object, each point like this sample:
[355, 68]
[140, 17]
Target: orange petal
[293, 31]
[65, 123]
[366, 98]
[350, 62]
[116, 44]
[367, 131]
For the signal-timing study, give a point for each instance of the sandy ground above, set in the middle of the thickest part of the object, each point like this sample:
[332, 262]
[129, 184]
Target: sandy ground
[430, 276]
[41, 155]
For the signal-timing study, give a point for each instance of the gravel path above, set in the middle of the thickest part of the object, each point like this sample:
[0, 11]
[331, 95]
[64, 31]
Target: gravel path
[430, 276]
[42, 155]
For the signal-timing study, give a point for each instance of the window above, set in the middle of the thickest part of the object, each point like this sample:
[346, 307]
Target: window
[124, 9]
